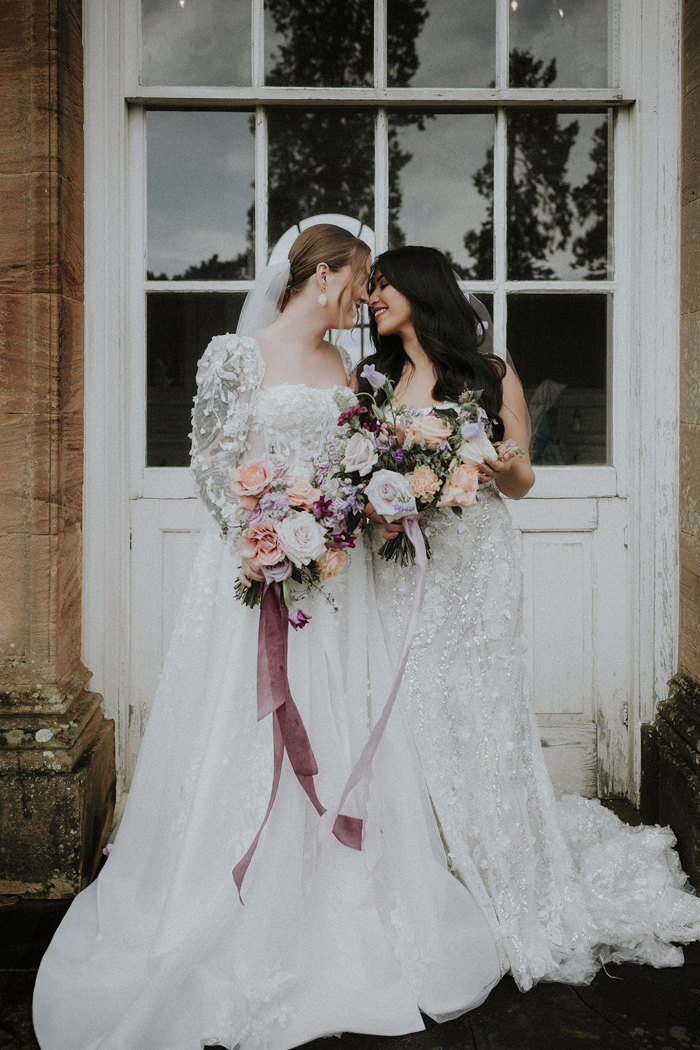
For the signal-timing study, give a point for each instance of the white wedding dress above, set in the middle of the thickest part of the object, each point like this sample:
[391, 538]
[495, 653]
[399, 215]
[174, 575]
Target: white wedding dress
[564, 884]
[158, 953]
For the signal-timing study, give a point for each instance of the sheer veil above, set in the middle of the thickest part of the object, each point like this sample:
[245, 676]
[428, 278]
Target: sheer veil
[263, 302]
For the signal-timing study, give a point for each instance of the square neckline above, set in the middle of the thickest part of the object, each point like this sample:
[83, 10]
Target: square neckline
[287, 383]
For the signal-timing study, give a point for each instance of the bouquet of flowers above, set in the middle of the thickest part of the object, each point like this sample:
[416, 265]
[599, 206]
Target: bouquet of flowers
[405, 460]
[292, 529]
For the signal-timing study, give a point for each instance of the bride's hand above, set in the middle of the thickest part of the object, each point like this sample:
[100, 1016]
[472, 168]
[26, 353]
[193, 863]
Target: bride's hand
[491, 468]
[249, 572]
[391, 528]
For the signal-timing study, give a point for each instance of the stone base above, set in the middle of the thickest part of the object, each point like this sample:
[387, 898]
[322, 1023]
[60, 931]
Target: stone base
[56, 817]
[671, 771]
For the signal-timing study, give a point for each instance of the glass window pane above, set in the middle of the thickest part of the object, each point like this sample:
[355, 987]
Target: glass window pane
[200, 195]
[441, 186]
[195, 42]
[179, 326]
[559, 347]
[324, 44]
[558, 195]
[441, 43]
[559, 42]
[320, 162]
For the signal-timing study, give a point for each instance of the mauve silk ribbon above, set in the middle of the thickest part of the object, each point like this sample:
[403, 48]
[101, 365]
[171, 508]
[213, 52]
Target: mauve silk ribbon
[363, 767]
[289, 732]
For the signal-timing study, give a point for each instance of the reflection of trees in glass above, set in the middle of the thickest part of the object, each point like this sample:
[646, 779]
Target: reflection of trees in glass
[211, 269]
[541, 204]
[590, 199]
[322, 160]
[538, 196]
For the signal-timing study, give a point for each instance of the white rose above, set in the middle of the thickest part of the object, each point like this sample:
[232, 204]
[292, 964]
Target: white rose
[360, 453]
[301, 538]
[476, 449]
[391, 495]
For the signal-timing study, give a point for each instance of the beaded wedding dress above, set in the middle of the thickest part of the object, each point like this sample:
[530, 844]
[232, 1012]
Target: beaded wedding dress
[565, 885]
[158, 953]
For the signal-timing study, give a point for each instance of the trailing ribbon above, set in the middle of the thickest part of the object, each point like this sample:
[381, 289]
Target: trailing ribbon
[289, 732]
[363, 767]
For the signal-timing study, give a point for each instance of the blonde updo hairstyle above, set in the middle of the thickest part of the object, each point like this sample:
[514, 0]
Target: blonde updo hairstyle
[324, 243]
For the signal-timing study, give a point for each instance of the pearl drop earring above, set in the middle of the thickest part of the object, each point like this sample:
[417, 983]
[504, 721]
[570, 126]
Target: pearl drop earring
[323, 299]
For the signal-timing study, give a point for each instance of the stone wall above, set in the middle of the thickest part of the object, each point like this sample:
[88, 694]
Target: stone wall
[56, 750]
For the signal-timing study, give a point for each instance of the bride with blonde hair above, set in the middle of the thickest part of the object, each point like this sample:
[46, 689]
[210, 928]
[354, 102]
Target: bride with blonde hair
[159, 953]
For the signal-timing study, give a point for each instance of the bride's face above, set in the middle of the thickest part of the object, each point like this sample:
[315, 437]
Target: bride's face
[390, 307]
[346, 291]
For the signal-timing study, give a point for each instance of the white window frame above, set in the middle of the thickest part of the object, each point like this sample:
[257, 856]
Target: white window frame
[645, 316]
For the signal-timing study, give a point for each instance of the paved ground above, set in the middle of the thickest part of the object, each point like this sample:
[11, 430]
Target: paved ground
[635, 1008]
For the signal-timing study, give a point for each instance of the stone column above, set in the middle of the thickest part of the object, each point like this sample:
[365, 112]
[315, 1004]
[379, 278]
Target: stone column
[671, 746]
[56, 749]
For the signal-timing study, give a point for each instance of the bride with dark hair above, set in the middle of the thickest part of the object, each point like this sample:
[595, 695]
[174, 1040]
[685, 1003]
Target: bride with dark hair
[565, 885]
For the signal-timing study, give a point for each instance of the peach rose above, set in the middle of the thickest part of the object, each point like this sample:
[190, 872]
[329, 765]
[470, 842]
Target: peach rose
[424, 482]
[251, 480]
[261, 543]
[331, 562]
[302, 494]
[461, 487]
[430, 429]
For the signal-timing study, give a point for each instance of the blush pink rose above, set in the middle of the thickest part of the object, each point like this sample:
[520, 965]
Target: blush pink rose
[430, 429]
[331, 562]
[302, 494]
[461, 487]
[260, 543]
[251, 480]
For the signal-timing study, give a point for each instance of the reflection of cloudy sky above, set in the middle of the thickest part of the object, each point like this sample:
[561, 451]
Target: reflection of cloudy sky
[456, 47]
[439, 200]
[200, 171]
[578, 41]
[200, 165]
[199, 42]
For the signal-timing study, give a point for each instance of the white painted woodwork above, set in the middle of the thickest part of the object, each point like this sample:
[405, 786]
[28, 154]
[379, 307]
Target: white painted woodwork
[599, 542]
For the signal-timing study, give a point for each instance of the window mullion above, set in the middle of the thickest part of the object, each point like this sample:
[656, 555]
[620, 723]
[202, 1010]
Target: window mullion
[500, 230]
[501, 44]
[380, 43]
[260, 189]
[257, 35]
[381, 180]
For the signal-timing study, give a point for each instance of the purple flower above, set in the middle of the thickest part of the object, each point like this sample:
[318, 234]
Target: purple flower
[354, 410]
[323, 508]
[275, 504]
[397, 455]
[298, 619]
[481, 413]
[255, 514]
[472, 430]
[374, 378]
[279, 465]
[371, 423]
[343, 538]
[278, 572]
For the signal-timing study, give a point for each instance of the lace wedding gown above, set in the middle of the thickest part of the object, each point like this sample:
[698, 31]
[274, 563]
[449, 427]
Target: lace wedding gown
[564, 884]
[158, 953]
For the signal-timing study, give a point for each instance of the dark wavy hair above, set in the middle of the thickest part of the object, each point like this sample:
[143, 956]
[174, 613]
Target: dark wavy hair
[446, 327]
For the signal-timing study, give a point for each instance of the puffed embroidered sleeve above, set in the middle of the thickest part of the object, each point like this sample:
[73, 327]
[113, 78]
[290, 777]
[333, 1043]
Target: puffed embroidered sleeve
[227, 373]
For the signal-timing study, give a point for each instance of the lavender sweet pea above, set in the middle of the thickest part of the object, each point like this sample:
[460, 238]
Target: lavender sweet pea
[374, 378]
[298, 619]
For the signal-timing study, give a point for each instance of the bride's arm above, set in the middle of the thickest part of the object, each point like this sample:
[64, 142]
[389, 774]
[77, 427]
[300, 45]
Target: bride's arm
[512, 473]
